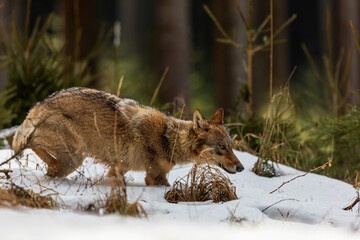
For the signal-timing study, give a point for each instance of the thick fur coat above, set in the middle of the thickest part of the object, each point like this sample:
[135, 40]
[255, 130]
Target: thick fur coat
[75, 123]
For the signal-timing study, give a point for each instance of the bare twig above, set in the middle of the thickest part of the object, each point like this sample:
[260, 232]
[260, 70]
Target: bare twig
[6, 172]
[328, 163]
[352, 205]
[241, 14]
[12, 157]
[221, 29]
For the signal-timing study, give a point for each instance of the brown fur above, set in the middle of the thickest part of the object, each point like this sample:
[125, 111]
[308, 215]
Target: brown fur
[76, 123]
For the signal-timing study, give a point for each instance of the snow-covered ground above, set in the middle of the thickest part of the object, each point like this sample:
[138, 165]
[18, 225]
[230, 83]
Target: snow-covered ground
[309, 207]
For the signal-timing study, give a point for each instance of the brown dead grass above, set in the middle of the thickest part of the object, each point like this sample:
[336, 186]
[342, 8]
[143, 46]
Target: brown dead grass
[16, 196]
[202, 183]
[116, 202]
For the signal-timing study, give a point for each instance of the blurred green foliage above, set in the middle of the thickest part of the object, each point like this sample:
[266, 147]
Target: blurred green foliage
[336, 137]
[35, 67]
[6, 116]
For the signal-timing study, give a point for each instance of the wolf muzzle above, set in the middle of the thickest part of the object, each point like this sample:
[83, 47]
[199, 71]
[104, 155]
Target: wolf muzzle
[240, 168]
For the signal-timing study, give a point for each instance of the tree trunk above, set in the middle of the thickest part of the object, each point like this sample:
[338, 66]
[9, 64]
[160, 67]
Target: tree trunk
[10, 6]
[349, 10]
[173, 40]
[261, 69]
[80, 19]
[127, 12]
[281, 69]
[228, 61]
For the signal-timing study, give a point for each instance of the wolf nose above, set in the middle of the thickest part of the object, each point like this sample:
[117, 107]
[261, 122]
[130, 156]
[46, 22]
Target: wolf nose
[239, 168]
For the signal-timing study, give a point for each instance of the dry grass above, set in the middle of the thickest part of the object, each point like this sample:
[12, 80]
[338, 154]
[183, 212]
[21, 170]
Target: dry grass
[16, 196]
[323, 166]
[275, 144]
[353, 204]
[116, 202]
[202, 183]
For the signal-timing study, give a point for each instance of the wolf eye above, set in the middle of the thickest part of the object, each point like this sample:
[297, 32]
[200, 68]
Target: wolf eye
[222, 147]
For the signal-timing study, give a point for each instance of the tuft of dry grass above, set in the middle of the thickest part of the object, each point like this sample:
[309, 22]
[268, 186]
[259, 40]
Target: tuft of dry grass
[116, 202]
[16, 196]
[276, 141]
[202, 183]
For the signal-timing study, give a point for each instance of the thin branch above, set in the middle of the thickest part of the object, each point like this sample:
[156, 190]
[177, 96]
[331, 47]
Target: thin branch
[218, 25]
[284, 25]
[241, 14]
[6, 172]
[291, 75]
[328, 163]
[13, 157]
[353, 204]
[277, 32]
[312, 62]
[261, 27]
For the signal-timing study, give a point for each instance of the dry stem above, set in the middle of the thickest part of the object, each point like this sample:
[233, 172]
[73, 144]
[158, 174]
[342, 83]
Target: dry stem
[328, 163]
[356, 39]
[352, 205]
[6, 172]
[158, 86]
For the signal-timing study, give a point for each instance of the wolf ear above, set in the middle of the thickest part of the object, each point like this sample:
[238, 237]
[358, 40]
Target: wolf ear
[218, 117]
[199, 121]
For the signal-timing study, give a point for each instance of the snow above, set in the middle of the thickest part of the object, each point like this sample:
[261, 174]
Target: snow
[309, 207]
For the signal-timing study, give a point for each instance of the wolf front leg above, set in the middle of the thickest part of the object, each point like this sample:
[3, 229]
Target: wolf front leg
[156, 171]
[53, 164]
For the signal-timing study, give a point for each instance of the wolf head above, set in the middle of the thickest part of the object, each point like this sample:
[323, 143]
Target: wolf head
[212, 142]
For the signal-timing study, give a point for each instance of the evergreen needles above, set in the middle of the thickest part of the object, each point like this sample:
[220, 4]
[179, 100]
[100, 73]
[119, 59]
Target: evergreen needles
[36, 67]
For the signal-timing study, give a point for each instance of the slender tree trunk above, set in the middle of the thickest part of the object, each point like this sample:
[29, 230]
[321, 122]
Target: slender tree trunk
[129, 18]
[5, 17]
[173, 40]
[261, 60]
[349, 10]
[281, 51]
[10, 6]
[80, 31]
[228, 61]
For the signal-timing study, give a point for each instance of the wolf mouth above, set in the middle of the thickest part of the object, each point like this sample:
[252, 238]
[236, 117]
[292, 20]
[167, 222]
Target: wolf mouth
[226, 169]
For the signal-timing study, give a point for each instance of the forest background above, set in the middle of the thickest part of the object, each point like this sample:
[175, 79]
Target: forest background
[286, 72]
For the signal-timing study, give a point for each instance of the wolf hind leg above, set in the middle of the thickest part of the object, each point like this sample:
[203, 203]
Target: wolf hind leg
[52, 163]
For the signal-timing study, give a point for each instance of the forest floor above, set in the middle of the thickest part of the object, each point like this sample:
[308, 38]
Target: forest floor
[307, 207]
